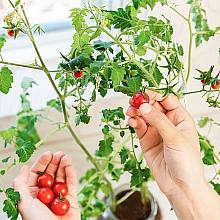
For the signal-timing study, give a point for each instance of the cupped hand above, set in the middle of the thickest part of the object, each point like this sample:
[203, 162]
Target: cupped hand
[169, 141]
[59, 166]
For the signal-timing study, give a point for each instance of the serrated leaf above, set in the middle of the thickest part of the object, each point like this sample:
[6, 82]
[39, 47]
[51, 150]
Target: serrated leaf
[105, 147]
[134, 84]
[25, 151]
[216, 187]
[124, 155]
[117, 75]
[8, 135]
[6, 79]
[27, 83]
[10, 209]
[122, 18]
[204, 121]
[3, 38]
[56, 104]
[10, 204]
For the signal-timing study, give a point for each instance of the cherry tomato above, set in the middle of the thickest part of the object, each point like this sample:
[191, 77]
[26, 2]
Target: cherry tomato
[60, 188]
[203, 81]
[78, 74]
[10, 32]
[45, 180]
[216, 85]
[45, 195]
[138, 99]
[60, 206]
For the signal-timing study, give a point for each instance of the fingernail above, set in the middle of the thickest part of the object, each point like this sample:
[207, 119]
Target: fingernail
[145, 108]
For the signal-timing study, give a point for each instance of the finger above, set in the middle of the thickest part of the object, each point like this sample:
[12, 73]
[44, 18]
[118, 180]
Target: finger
[71, 180]
[54, 164]
[39, 166]
[42, 162]
[20, 184]
[132, 112]
[60, 175]
[159, 120]
[139, 126]
[159, 107]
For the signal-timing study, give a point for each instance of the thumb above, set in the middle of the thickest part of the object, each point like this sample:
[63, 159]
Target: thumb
[159, 120]
[20, 184]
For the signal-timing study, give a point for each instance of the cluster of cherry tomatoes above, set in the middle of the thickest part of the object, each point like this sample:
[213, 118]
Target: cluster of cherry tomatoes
[138, 99]
[53, 194]
[215, 85]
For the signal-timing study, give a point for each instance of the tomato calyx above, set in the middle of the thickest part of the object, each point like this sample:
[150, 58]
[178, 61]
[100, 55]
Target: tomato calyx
[138, 99]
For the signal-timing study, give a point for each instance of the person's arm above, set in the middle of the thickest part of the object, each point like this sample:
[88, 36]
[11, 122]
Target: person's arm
[170, 143]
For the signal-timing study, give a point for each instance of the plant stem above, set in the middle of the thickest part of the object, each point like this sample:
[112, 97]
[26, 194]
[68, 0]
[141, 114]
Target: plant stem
[132, 59]
[190, 46]
[20, 65]
[177, 12]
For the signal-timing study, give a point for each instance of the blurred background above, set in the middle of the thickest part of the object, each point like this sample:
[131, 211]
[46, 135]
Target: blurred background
[53, 16]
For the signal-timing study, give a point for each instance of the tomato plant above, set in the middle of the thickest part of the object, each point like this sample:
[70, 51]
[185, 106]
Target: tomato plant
[112, 50]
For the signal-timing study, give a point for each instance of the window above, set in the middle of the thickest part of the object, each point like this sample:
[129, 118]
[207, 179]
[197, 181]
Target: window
[38, 10]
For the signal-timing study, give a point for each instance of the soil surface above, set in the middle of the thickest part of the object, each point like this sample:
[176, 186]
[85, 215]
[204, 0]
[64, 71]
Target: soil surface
[132, 208]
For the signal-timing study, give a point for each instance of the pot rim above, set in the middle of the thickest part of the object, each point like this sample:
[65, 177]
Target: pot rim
[123, 187]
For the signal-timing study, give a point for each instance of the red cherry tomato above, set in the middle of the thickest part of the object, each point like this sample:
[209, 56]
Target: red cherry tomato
[10, 32]
[60, 188]
[45, 180]
[203, 81]
[138, 99]
[60, 206]
[45, 195]
[216, 85]
[78, 74]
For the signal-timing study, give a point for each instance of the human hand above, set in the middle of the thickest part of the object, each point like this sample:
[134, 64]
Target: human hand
[170, 142]
[59, 166]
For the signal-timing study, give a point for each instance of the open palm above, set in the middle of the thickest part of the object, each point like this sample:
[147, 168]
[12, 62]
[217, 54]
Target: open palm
[59, 166]
[169, 140]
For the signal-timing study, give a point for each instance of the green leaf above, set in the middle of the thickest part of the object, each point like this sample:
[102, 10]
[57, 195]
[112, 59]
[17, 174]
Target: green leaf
[27, 83]
[10, 204]
[134, 84]
[204, 121]
[216, 187]
[17, 3]
[56, 104]
[3, 38]
[96, 66]
[143, 37]
[118, 74]
[6, 79]
[209, 158]
[77, 17]
[105, 147]
[122, 18]
[8, 135]
[136, 3]
[25, 151]
[5, 160]
[124, 155]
